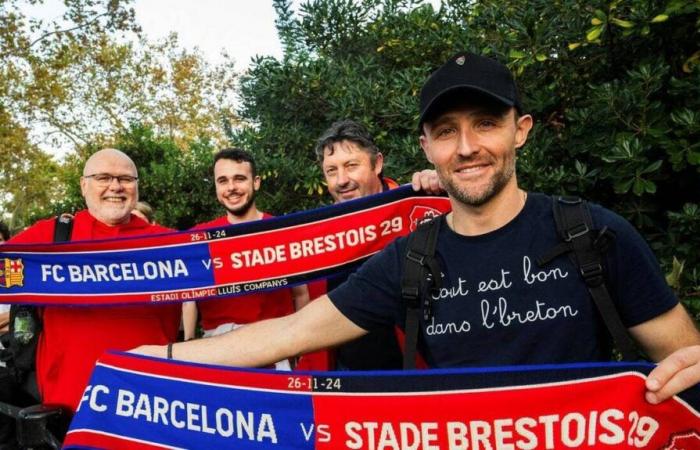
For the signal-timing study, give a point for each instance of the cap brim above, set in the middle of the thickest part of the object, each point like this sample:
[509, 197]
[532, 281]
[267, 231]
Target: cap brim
[462, 87]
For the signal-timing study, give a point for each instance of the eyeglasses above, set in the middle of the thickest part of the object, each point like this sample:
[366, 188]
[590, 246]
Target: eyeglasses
[105, 179]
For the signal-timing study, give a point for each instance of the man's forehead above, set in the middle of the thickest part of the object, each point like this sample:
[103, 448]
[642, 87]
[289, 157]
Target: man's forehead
[112, 163]
[471, 110]
[345, 149]
[229, 167]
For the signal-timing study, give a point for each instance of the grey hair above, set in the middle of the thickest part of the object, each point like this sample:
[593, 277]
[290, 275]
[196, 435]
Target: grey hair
[346, 130]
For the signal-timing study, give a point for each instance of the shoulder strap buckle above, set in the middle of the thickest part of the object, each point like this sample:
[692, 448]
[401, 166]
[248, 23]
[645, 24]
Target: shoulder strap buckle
[421, 275]
[569, 199]
[592, 274]
[573, 220]
[415, 257]
[410, 293]
[603, 240]
[576, 231]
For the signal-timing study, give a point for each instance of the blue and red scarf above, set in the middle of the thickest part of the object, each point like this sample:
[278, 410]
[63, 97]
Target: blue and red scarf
[142, 402]
[214, 263]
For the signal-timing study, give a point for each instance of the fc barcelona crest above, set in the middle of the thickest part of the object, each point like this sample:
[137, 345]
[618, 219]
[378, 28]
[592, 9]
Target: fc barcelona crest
[11, 272]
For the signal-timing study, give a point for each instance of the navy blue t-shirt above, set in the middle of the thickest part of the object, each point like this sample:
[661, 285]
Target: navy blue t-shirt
[498, 307]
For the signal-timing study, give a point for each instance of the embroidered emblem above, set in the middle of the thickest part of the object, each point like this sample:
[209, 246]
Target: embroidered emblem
[684, 440]
[11, 272]
[420, 214]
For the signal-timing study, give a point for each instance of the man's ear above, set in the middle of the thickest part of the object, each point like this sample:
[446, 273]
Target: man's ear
[523, 127]
[256, 183]
[424, 145]
[378, 163]
[83, 186]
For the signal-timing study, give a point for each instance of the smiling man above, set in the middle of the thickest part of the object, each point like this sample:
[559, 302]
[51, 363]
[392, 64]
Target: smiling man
[351, 162]
[237, 184]
[352, 166]
[73, 338]
[489, 312]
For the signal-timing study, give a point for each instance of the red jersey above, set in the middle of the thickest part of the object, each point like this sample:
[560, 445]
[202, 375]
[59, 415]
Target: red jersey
[244, 308]
[73, 338]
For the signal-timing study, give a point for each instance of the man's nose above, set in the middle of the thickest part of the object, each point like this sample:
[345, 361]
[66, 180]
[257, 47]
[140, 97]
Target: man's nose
[343, 178]
[115, 185]
[467, 144]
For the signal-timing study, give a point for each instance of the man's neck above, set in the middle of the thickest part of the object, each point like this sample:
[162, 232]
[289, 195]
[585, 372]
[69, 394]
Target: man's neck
[382, 186]
[470, 220]
[250, 215]
[111, 222]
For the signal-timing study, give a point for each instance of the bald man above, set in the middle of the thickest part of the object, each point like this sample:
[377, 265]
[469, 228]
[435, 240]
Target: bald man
[73, 338]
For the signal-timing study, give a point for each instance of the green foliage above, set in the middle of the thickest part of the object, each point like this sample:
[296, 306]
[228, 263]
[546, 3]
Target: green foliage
[614, 87]
[24, 170]
[176, 182]
[33, 89]
[79, 80]
[681, 254]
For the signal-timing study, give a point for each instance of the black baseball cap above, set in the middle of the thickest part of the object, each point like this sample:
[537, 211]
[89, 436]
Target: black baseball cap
[468, 72]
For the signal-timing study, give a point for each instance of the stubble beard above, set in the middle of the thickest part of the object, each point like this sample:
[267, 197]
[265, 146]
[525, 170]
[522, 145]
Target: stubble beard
[242, 210]
[338, 196]
[466, 196]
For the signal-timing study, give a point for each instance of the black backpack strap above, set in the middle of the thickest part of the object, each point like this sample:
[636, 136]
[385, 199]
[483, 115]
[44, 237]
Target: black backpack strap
[421, 275]
[586, 248]
[26, 325]
[63, 229]
[36, 425]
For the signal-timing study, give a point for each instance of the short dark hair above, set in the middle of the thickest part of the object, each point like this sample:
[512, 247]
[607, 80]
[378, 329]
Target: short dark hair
[236, 154]
[346, 130]
[4, 231]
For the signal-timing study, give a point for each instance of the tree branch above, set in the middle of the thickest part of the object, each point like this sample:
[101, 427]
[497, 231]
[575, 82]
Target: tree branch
[74, 137]
[67, 30]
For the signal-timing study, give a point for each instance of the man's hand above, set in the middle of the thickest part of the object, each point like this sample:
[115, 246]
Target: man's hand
[675, 373]
[5, 322]
[428, 181]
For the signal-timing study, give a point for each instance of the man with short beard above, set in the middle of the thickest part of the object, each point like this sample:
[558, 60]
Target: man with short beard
[237, 183]
[496, 307]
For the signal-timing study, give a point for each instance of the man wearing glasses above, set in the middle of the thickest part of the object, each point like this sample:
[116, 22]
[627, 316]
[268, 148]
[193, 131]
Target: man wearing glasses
[73, 338]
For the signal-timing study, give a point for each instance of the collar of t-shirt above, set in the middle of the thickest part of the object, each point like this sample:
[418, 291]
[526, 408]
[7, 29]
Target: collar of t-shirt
[87, 227]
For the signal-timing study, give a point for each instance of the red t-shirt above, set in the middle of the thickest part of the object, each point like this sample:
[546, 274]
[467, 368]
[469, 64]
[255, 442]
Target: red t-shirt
[73, 338]
[244, 308]
[322, 359]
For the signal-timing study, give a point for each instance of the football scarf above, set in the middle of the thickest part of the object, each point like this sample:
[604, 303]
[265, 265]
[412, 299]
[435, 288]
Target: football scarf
[213, 263]
[143, 402]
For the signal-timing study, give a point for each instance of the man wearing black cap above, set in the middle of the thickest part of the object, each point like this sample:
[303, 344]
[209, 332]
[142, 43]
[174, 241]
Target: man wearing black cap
[496, 305]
